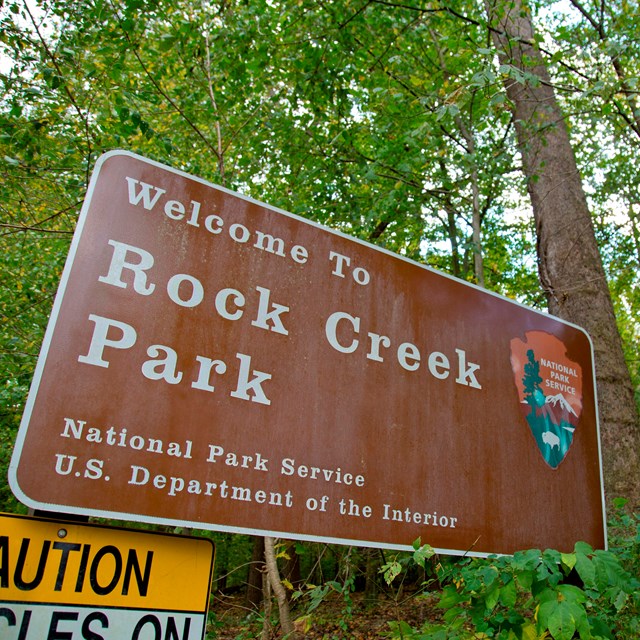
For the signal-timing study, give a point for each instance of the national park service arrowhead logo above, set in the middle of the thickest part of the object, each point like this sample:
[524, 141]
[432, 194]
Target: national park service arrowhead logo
[550, 390]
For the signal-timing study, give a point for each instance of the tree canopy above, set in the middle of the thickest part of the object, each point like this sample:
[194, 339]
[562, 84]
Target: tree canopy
[386, 120]
[393, 121]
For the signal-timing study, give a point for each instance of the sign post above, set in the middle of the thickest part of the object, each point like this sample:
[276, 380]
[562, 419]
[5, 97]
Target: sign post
[214, 362]
[67, 580]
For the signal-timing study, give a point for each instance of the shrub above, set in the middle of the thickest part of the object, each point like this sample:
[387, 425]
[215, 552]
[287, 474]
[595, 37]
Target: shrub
[533, 595]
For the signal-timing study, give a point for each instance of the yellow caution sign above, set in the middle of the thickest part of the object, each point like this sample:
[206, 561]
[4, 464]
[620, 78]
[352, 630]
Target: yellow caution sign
[63, 580]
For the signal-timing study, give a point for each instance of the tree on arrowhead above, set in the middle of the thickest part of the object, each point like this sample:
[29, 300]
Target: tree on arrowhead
[531, 381]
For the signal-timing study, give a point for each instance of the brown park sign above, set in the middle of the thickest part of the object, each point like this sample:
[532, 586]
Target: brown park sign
[214, 362]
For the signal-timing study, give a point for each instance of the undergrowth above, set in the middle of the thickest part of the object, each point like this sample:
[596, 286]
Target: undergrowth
[535, 595]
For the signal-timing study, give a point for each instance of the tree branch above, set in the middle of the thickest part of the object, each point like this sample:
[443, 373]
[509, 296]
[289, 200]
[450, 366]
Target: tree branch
[159, 89]
[83, 117]
[23, 227]
[598, 26]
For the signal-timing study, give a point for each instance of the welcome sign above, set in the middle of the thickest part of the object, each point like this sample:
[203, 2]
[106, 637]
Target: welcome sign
[214, 362]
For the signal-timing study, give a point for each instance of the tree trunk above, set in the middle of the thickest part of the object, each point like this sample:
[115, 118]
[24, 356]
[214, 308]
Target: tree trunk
[256, 572]
[276, 585]
[371, 577]
[569, 263]
[268, 604]
[222, 563]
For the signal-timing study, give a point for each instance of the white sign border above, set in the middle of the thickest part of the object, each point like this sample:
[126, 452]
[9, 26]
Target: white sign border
[13, 482]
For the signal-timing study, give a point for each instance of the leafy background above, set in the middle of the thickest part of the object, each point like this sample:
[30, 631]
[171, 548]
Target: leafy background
[386, 120]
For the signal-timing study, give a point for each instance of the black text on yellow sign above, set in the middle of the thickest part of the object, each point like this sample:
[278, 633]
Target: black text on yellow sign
[64, 581]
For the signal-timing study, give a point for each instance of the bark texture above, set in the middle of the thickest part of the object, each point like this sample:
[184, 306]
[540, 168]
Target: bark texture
[256, 572]
[569, 262]
[278, 588]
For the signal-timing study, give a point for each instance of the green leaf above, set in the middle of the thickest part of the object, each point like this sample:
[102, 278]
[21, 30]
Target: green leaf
[562, 622]
[491, 597]
[422, 554]
[558, 618]
[509, 595]
[450, 598]
[620, 503]
[568, 561]
[620, 600]
[529, 632]
[166, 42]
[586, 570]
[584, 548]
[401, 630]
[599, 629]
[571, 593]
[454, 615]
[609, 572]
[391, 570]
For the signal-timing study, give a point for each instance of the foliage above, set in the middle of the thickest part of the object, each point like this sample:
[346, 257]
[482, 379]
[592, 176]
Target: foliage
[393, 568]
[531, 595]
[385, 120]
[534, 595]
[598, 87]
[315, 595]
[624, 536]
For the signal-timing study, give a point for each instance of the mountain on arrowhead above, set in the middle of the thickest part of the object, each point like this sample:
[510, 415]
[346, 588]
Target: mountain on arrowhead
[559, 410]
